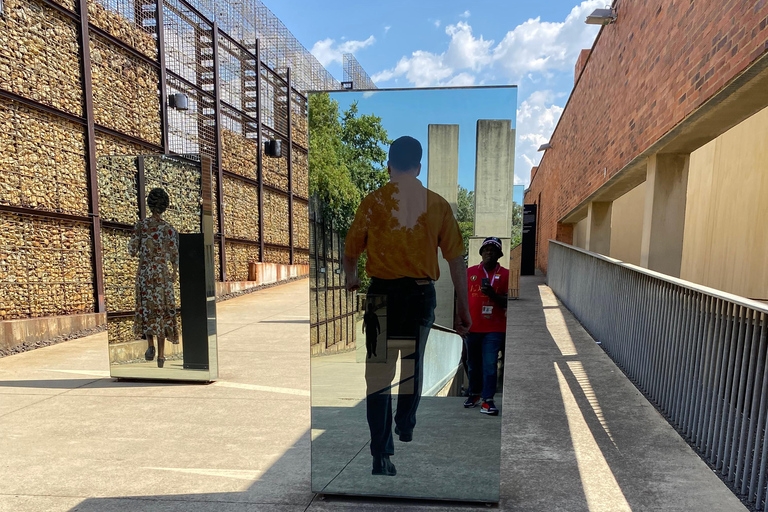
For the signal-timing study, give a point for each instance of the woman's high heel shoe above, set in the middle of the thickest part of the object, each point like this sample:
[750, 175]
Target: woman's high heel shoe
[150, 353]
[160, 362]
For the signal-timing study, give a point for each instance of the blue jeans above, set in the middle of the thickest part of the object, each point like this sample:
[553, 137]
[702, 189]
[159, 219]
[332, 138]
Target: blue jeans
[482, 354]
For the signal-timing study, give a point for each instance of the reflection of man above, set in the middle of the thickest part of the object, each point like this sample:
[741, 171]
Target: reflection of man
[488, 284]
[401, 225]
[371, 323]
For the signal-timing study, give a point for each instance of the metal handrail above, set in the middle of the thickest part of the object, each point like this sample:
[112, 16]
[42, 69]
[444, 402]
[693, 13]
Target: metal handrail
[699, 354]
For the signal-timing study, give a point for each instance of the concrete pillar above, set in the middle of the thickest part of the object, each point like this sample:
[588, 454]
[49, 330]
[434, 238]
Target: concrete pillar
[443, 178]
[666, 186]
[511, 178]
[599, 227]
[492, 178]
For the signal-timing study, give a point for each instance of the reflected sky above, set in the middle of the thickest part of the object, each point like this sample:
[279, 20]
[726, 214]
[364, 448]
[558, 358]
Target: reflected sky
[409, 112]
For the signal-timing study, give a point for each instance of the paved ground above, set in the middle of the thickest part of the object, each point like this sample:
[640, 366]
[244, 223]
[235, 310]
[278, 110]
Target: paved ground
[576, 434]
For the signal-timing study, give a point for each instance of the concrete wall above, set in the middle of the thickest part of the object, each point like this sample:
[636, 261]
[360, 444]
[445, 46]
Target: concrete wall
[580, 234]
[726, 240]
[646, 74]
[627, 225]
[492, 178]
[443, 178]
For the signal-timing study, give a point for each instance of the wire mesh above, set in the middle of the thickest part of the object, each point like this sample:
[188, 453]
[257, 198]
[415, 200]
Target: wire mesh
[237, 76]
[299, 120]
[125, 92]
[39, 55]
[274, 169]
[45, 267]
[43, 161]
[188, 42]
[239, 256]
[131, 21]
[193, 130]
[354, 73]
[239, 144]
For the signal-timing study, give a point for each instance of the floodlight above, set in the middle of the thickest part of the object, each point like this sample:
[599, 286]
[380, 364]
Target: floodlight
[601, 17]
[179, 101]
[544, 147]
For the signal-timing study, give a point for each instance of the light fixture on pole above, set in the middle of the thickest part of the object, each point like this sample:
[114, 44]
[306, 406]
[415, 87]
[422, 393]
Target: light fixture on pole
[179, 101]
[544, 147]
[601, 17]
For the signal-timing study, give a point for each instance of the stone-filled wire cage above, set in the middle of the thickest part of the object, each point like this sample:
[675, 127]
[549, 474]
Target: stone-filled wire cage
[84, 79]
[332, 308]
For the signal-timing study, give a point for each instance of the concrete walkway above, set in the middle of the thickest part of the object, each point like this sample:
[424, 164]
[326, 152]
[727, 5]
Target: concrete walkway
[576, 434]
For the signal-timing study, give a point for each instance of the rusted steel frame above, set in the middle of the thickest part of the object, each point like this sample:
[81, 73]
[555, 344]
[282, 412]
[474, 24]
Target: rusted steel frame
[116, 225]
[128, 138]
[189, 84]
[274, 131]
[194, 11]
[250, 181]
[239, 46]
[259, 157]
[34, 212]
[142, 193]
[219, 163]
[62, 10]
[90, 138]
[289, 104]
[8, 95]
[163, 75]
[239, 112]
[123, 46]
[333, 319]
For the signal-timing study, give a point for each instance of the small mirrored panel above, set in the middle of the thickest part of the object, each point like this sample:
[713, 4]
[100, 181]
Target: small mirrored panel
[397, 394]
[157, 261]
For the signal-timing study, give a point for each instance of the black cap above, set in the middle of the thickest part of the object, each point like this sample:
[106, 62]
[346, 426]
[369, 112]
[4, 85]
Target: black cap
[492, 240]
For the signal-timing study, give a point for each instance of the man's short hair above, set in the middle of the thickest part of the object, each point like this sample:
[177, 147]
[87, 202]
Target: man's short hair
[405, 154]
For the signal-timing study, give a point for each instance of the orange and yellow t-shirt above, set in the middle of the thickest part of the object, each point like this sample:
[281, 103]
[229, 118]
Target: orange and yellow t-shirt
[401, 225]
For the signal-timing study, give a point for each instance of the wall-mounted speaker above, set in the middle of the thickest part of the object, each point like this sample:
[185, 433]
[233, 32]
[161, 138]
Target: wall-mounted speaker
[273, 148]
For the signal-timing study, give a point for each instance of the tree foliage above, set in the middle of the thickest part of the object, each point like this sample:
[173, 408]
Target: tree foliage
[465, 214]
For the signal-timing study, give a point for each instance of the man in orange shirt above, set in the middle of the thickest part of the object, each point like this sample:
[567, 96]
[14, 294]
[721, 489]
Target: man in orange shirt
[401, 225]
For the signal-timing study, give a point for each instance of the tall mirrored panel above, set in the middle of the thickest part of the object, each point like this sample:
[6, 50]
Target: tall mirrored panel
[411, 219]
[157, 260]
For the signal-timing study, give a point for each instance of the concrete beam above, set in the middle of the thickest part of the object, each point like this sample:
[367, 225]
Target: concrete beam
[666, 187]
[599, 227]
[443, 178]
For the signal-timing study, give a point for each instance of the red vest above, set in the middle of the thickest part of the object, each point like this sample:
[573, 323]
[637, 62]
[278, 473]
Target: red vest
[480, 304]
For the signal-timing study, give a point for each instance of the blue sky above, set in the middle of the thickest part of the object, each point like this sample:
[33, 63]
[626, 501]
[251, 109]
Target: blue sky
[410, 113]
[435, 43]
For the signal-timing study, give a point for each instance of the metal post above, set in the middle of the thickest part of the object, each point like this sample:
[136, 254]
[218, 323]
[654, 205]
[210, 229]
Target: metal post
[90, 137]
[163, 78]
[290, 168]
[142, 190]
[220, 180]
[260, 161]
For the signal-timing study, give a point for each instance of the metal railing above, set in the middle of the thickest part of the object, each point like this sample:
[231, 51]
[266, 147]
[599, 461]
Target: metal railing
[697, 353]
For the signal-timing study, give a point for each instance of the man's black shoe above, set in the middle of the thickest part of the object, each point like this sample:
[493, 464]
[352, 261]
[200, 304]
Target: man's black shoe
[383, 466]
[405, 437]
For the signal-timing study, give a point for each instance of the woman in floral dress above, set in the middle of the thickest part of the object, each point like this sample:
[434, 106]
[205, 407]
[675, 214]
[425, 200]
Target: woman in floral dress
[156, 243]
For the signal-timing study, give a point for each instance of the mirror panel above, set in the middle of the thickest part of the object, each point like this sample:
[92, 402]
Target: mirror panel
[388, 372]
[157, 261]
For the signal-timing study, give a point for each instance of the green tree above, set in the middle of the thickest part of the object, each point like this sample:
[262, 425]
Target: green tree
[347, 160]
[517, 225]
[465, 215]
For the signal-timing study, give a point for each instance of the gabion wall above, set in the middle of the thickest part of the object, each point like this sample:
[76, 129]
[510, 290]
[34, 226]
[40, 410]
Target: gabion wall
[46, 263]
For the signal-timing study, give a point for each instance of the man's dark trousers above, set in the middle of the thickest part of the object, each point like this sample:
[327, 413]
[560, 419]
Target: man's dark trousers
[410, 307]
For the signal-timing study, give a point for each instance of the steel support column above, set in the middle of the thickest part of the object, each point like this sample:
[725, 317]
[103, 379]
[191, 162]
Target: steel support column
[290, 166]
[90, 138]
[163, 77]
[142, 190]
[259, 157]
[219, 170]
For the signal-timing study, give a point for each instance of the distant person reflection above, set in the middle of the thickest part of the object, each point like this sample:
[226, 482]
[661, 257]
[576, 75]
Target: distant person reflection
[156, 243]
[401, 225]
[371, 329]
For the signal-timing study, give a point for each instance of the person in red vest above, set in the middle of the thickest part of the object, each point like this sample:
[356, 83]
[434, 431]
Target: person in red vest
[488, 283]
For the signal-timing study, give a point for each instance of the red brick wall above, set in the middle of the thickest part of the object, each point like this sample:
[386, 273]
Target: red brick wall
[660, 61]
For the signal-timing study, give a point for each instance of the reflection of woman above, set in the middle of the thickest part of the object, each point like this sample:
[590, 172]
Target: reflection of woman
[156, 243]
[371, 323]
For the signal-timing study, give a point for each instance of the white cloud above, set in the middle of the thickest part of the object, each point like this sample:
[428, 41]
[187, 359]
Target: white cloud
[465, 14]
[368, 94]
[436, 23]
[534, 49]
[386, 29]
[537, 117]
[328, 51]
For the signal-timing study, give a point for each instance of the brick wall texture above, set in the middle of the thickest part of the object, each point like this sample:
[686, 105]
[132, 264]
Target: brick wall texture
[660, 61]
